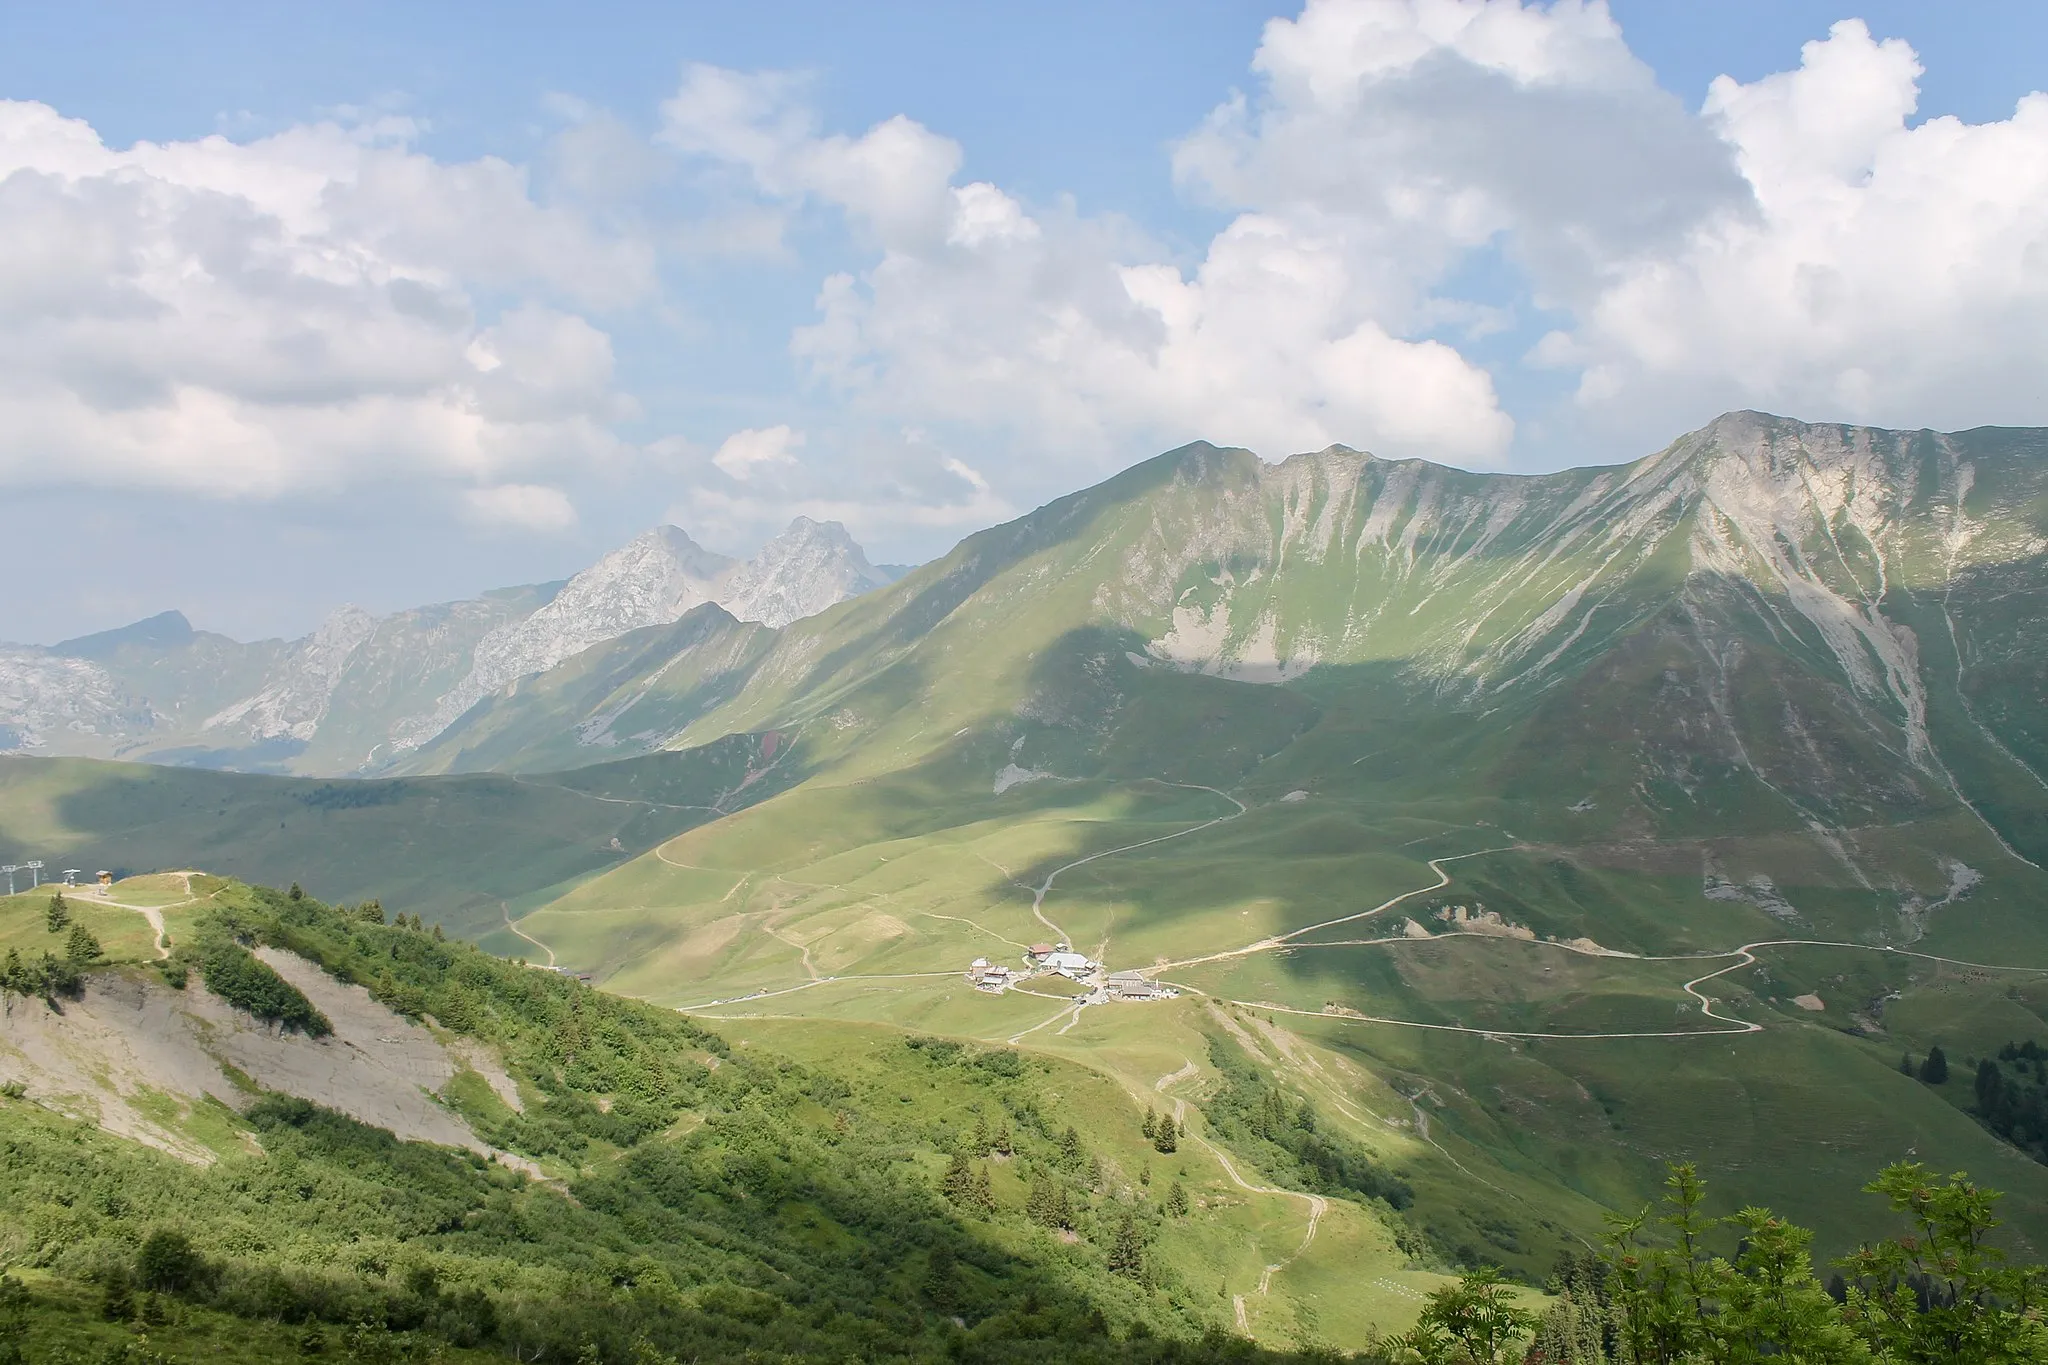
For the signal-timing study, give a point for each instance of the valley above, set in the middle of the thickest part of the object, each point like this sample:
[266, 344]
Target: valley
[1523, 835]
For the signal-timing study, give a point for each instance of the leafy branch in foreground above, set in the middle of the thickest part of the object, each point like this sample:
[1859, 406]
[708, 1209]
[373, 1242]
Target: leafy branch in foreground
[1936, 1294]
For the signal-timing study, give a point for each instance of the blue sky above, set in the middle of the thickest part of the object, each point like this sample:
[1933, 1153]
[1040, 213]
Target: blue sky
[466, 294]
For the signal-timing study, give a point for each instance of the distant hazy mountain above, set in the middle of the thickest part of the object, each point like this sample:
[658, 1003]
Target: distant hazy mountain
[362, 693]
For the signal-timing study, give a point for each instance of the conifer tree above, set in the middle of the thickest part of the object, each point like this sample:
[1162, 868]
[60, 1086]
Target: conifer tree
[58, 916]
[1905, 1063]
[81, 947]
[1003, 1143]
[1164, 1138]
[958, 1182]
[1070, 1149]
[1151, 1122]
[1934, 1071]
[1127, 1252]
[984, 1193]
[1176, 1200]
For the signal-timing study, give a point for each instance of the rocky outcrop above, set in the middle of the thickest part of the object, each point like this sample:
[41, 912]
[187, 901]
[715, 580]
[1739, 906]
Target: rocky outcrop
[135, 1056]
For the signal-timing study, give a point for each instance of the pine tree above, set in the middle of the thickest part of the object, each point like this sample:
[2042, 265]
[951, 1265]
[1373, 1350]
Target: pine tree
[984, 1192]
[1070, 1149]
[1151, 1122]
[958, 1183]
[58, 916]
[1989, 1083]
[1127, 1253]
[1905, 1063]
[1003, 1144]
[1165, 1139]
[297, 892]
[1042, 1205]
[1177, 1200]
[81, 947]
[1934, 1071]
[982, 1138]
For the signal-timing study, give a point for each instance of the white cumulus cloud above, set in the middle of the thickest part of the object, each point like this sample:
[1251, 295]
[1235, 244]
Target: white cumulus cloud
[744, 453]
[1888, 272]
[1076, 330]
[520, 506]
[291, 314]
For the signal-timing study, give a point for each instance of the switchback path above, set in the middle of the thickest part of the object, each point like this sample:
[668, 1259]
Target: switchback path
[1317, 1204]
[1286, 940]
[792, 990]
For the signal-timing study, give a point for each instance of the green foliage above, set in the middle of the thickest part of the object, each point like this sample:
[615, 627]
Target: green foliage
[242, 979]
[1582, 1325]
[1938, 1292]
[168, 1263]
[1475, 1321]
[49, 976]
[1934, 1071]
[2012, 1096]
[1286, 1139]
[1942, 1292]
[58, 917]
[1164, 1136]
[81, 949]
[702, 1212]
[1127, 1252]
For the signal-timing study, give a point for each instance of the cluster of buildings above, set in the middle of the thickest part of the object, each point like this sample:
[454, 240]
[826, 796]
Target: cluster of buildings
[1057, 959]
[992, 977]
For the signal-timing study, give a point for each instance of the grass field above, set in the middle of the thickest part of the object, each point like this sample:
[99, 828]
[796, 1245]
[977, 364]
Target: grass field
[1305, 921]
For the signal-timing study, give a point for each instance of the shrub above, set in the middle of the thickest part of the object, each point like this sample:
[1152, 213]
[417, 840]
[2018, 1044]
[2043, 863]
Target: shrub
[239, 977]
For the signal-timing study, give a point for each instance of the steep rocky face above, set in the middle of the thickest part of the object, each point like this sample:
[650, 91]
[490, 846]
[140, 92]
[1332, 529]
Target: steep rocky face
[294, 703]
[58, 705]
[651, 580]
[806, 569]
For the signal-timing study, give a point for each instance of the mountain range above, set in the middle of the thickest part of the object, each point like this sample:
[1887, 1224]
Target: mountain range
[1535, 830]
[363, 693]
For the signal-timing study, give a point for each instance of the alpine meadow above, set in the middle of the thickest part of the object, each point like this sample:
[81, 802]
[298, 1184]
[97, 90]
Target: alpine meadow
[618, 748]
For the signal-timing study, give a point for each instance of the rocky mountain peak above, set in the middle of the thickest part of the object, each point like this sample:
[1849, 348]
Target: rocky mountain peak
[802, 571]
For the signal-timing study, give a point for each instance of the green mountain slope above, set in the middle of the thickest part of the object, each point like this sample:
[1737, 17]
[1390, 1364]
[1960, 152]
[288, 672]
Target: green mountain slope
[1738, 693]
[631, 693]
[653, 1190]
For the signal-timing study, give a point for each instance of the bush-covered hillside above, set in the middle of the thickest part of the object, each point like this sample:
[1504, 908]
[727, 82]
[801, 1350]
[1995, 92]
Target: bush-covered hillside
[707, 1202]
